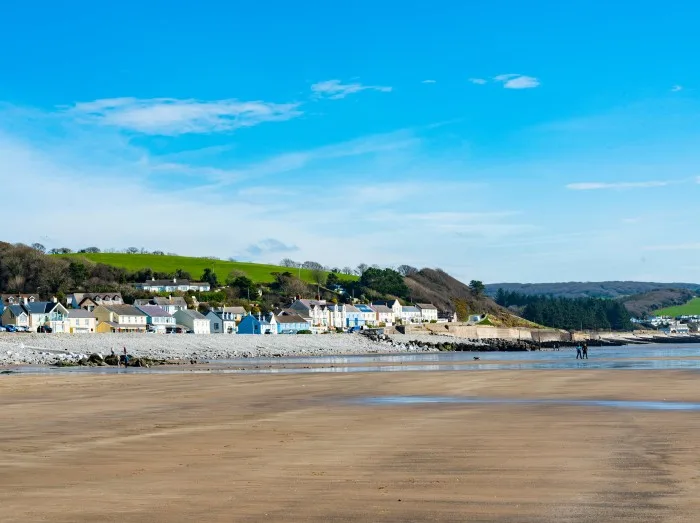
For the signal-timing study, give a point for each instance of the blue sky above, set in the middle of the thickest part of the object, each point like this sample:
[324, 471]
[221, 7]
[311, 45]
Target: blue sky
[496, 140]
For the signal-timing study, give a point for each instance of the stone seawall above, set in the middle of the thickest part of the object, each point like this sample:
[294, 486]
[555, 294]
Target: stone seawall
[485, 332]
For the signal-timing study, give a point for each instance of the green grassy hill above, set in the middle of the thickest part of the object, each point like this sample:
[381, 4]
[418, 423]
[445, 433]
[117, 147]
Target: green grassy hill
[257, 272]
[692, 307]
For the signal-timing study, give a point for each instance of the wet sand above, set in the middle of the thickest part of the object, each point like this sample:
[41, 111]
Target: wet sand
[164, 448]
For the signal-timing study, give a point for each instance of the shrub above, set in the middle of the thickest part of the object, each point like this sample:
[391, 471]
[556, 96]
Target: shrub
[304, 331]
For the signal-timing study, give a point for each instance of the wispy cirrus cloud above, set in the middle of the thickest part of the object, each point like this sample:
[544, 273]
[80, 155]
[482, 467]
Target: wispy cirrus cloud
[171, 116]
[269, 246]
[478, 81]
[593, 186]
[428, 82]
[676, 88]
[335, 89]
[517, 81]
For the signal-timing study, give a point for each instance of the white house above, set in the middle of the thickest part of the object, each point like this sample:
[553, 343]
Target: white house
[428, 311]
[194, 321]
[314, 311]
[47, 314]
[410, 314]
[394, 305]
[675, 327]
[81, 321]
[170, 304]
[336, 315]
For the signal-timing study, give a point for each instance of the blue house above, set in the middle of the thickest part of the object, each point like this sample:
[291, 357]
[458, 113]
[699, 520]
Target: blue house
[353, 317]
[291, 323]
[258, 325]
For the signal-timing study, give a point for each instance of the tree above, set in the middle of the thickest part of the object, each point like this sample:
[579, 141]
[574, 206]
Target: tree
[288, 262]
[61, 250]
[361, 268]
[332, 280]
[384, 281]
[132, 250]
[89, 250]
[210, 277]
[348, 270]
[462, 310]
[244, 285]
[406, 270]
[477, 287]
[78, 272]
[182, 275]
[312, 265]
[318, 276]
[39, 247]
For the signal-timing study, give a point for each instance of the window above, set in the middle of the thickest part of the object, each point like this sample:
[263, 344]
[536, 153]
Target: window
[216, 326]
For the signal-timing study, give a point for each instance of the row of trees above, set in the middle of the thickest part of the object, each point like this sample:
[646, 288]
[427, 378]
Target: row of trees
[568, 313]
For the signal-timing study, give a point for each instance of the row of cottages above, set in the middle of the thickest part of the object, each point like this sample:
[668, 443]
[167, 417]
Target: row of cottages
[324, 315]
[280, 322]
[37, 314]
[16, 299]
[173, 285]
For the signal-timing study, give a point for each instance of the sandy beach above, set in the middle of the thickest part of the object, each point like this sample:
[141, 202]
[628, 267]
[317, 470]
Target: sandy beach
[153, 448]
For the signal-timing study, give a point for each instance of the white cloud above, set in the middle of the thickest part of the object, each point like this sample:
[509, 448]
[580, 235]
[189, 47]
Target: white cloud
[517, 81]
[335, 90]
[428, 81]
[269, 246]
[676, 88]
[591, 186]
[170, 116]
[478, 81]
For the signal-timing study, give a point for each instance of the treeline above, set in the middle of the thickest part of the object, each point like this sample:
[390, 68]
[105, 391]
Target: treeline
[568, 313]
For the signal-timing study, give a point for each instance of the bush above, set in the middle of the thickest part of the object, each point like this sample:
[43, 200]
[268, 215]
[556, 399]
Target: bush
[304, 331]
[433, 321]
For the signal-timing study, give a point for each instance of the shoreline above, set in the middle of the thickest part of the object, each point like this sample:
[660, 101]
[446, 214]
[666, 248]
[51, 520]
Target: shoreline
[153, 349]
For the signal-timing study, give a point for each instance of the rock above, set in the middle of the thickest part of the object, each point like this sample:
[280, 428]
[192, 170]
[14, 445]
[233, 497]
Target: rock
[95, 358]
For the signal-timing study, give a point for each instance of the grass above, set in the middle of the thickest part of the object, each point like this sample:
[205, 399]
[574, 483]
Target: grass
[258, 272]
[687, 309]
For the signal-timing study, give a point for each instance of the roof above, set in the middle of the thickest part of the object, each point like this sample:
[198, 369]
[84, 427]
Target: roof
[18, 297]
[362, 307]
[290, 318]
[40, 307]
[388, 303]
[79, 296]
[426, 306]
[232, 310]
[124, 310]
[351, 308]
[154, 311]
[310, 303]
[410, 308]
[382, 308]
[80, 313]
[163, 283]
[177, 300]
[195, 315]
[17, 310]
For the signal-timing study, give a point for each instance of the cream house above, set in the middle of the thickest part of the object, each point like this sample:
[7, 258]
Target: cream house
[81, 321]
[428, 311]
[194, 320]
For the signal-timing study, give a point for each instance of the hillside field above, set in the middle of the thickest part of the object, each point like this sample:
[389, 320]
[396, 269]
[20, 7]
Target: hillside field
[690, 308]
[258, 272]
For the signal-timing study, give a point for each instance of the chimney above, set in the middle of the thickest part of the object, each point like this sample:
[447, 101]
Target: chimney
[174, 280]
[25, 300]
[55, 300]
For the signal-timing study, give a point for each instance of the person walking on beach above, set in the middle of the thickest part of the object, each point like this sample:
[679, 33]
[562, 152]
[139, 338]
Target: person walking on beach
[585, 351]
[579, 355]
[126, 358]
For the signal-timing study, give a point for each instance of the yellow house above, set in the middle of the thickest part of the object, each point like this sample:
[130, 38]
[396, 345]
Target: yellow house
[119, 318]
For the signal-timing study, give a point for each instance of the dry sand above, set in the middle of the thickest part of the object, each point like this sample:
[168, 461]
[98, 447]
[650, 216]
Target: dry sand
[150, 448]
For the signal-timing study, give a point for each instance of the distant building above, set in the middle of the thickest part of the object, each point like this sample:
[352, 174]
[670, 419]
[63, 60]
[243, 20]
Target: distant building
[173, 285]
[675, 327]
[353, 317]
[291, 323]
[224, 320]
[170, 304]
[385, 315]
[15, 315]
[410, 314]
[16, 299]
[367, 313]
